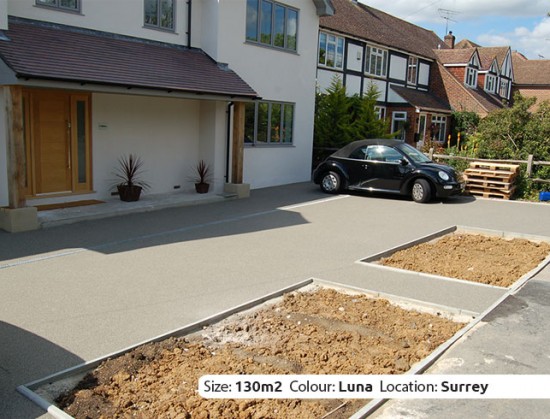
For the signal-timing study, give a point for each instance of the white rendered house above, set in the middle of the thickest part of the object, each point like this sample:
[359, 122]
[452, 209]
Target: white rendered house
[87, 81]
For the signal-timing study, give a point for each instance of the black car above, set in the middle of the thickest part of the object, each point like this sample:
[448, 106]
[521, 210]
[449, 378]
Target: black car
[386, 166]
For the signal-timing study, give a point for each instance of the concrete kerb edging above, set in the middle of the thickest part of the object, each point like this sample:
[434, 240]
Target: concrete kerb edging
[78, 371]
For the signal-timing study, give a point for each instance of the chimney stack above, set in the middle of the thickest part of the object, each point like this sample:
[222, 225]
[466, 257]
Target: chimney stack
[450, 40]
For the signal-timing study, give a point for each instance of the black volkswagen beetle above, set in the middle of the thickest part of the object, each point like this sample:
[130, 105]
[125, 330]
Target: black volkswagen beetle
[386, 166]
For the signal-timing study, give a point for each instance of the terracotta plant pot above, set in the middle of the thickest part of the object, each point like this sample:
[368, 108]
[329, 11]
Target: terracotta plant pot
[129, 193]
[202, 187]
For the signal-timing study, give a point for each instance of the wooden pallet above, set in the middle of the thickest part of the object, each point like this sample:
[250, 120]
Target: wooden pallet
[491, 180]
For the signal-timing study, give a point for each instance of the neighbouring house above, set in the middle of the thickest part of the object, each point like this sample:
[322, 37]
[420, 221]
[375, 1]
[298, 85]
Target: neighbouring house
[364, 46]
[474, 78]
[531, 78]
[173, 81]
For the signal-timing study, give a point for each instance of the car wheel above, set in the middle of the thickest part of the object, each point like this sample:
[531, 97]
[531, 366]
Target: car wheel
[330, 182]
[421, 191]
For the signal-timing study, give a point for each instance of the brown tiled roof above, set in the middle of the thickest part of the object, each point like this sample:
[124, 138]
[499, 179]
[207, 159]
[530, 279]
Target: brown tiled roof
[369, 24]
[455, 56]
[422, 100]
[466, 43]
[56, 52]
[487, 54]
[531, 72]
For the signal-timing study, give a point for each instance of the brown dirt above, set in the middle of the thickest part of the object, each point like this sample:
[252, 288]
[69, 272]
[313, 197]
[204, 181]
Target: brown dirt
[321, 332]
[478, 258]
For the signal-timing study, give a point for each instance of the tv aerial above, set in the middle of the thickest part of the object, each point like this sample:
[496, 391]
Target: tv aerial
[448, 15]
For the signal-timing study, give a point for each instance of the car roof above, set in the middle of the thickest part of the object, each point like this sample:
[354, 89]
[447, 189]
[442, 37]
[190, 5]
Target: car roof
[347, 149]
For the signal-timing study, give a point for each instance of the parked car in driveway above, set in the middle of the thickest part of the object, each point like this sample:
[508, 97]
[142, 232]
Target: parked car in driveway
[391, 166]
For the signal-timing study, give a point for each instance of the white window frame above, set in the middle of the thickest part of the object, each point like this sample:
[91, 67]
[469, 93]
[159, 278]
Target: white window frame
[490, 83]
[504, 88]
[441, 121]
[380, 112]
[470, 78]
[328, 42]
[412, 70]
[398, 120]
[380, 64]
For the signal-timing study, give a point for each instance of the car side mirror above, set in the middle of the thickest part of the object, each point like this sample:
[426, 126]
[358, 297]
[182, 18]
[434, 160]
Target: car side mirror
[404, 162]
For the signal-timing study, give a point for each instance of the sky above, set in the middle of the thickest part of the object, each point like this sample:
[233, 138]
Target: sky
[524, 25]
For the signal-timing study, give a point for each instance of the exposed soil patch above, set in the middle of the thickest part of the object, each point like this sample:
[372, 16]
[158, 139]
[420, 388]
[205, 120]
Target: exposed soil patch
[319, 332]
[473, 257]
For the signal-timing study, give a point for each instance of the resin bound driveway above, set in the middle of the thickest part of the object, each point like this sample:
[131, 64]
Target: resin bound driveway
[77, 292]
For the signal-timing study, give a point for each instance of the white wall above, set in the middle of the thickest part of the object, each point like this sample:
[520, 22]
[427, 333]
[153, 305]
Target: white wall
[324, 78]
[381, 86]
[118, 16]
[3, 14]
[353, 85]
[164, 132]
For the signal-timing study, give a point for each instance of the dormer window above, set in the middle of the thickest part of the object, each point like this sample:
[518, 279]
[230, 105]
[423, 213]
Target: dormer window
[64, 5]
[470, 78]
[490, 83]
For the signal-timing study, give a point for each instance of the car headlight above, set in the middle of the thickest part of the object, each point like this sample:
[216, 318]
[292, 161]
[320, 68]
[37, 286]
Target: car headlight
[443, 175]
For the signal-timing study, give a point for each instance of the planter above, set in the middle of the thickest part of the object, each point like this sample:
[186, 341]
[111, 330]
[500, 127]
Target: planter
[129, 193]
[202, 187]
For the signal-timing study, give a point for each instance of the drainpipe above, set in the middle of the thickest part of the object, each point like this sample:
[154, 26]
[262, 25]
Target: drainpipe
[228, 141]
[189, 9]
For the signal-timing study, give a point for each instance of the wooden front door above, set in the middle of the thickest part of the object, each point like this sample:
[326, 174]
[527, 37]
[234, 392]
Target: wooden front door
[59, 141]
[51, 137]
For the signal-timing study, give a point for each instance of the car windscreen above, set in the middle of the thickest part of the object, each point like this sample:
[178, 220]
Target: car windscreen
[415, 155]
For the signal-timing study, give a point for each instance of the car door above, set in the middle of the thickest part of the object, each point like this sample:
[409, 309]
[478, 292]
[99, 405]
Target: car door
[386, 168]
[359, 171]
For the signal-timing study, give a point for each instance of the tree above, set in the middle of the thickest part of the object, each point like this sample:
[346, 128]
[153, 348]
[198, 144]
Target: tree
[365, 121]
[332, 117]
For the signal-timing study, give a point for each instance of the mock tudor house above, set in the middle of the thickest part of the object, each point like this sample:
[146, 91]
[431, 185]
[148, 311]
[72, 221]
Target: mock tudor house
[474, 78]
[364, 46]
[172, 81]
[531, 78]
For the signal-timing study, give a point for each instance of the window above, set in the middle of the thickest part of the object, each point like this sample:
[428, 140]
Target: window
[159, 14]
[383, 153]
[376, 60]
[66, 5]
[490, 83]
[331, 50]
[268, 123]
[471, 77]
[380, 112]
[438, 128]
[273, 24]
[412, 70]
[399, 120]
[504, 89]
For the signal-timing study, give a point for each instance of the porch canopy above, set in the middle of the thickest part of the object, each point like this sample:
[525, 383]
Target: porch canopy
[46, 51]
[423, 101]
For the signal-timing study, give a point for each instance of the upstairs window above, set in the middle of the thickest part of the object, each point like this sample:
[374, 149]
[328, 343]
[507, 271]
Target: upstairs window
[412, 70]
[504, 91]
[376, 60]
[65, 5]
[490, 83]
[471, 77]
[159, 14]
[272, 24]
[331, 50]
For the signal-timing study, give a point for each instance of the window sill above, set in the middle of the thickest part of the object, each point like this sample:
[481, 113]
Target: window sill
[160, 29]
[269, 145]
[58, 9]
[271, 47]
